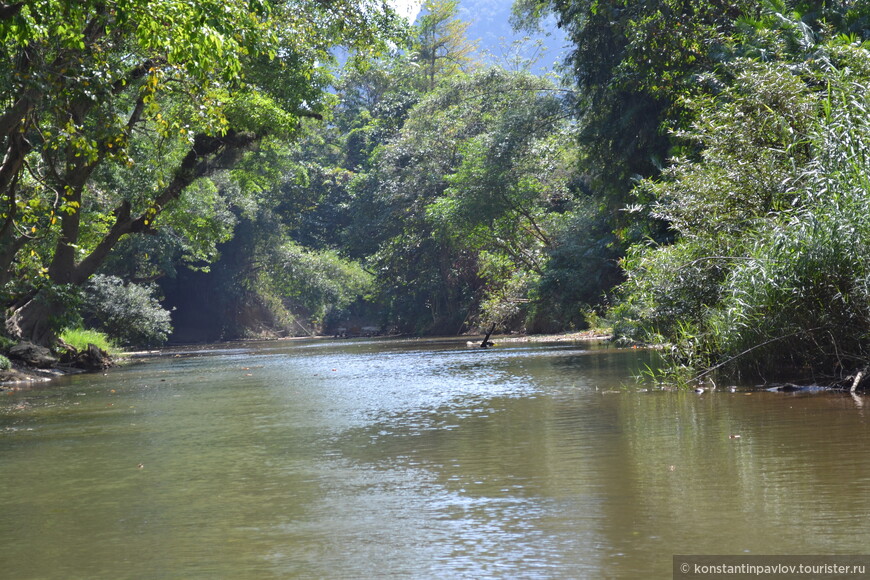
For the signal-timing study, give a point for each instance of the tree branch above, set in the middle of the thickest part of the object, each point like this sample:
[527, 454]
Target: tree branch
[208, 154]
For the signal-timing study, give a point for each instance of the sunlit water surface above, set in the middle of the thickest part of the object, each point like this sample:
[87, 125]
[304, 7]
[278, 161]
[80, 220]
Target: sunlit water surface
[416, 459]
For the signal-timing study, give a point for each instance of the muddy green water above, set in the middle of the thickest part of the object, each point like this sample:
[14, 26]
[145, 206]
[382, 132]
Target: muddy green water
[416, 459]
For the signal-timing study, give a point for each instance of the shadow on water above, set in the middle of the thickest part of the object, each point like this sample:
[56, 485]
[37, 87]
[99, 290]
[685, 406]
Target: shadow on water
[416, 459]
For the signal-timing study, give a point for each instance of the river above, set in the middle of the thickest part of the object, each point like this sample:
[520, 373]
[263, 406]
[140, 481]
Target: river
[416, 459]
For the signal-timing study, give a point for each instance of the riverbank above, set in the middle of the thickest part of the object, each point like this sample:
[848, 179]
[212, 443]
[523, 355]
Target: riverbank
[584, 335]
[21, 376]
[30, 364]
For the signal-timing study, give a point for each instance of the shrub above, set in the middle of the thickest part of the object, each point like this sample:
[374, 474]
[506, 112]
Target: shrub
[128, 313]
[802, 299]
[6, 343]
[5, 365]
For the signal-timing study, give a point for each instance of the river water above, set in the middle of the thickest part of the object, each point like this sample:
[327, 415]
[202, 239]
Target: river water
[416, 459]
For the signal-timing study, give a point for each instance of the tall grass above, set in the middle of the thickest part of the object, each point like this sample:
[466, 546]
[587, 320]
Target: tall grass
[768, 276]
[801, 301]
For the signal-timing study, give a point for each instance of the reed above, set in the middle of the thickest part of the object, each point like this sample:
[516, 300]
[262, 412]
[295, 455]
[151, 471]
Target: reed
[769, 275]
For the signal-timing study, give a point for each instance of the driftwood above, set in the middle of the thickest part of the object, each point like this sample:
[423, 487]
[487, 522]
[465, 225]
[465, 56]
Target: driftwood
[92, 358]
[858, 378]
[486, 343]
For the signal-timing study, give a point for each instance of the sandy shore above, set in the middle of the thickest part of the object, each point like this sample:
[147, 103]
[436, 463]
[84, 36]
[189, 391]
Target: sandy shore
[563, 337]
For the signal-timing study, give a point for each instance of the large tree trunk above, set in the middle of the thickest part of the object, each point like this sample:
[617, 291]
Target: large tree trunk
[32, 321]
[31, 318]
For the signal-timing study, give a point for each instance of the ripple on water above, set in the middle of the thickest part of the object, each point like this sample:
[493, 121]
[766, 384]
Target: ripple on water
[415, 459]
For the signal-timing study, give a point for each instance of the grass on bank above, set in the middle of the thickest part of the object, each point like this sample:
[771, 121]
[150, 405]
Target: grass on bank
[79, 338]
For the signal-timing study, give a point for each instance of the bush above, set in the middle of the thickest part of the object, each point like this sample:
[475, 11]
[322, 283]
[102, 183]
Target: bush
[802, 298]
[5, 365]
[128, 313]
[316, 282]
[6, 343]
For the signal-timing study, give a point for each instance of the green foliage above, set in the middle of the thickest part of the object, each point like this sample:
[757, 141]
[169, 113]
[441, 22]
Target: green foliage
[447, 187]
[724, 142]
[63, 301]
[754, 139]
[319, 282]
[582, 266]
[507, 289]
[110, 115]
[257, 113]
[464, 197]
[769, 271]
[440, 45]
[632, 61]
[200, 221]
[5, 364]
[6, 343]
[129, 313]
[801, 300]
[80, 338]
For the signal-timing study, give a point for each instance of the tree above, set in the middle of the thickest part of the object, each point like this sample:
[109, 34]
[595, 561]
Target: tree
[185, 89]
[466, 194]
[440, 45]
[512, 185]
[630, 63]
[635, 62]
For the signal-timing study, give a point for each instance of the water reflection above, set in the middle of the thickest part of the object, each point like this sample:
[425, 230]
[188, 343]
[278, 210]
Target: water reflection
[416, 459]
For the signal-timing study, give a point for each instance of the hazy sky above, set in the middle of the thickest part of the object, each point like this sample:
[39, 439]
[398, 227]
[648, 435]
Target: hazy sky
[489, 23]
[407, 8]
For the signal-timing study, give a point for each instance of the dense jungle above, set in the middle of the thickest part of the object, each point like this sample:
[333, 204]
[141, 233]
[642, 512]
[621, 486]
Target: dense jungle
[694, 175]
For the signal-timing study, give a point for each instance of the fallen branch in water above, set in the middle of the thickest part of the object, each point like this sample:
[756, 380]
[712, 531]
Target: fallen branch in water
[486, 343]
[858, 378]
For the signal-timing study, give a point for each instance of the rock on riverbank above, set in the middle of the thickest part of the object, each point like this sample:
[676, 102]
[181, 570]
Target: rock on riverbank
[33, 363]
